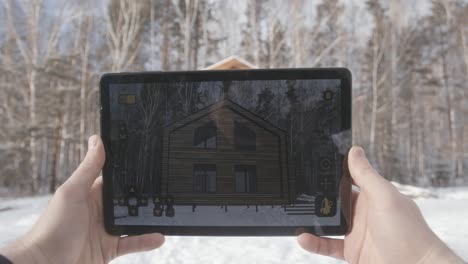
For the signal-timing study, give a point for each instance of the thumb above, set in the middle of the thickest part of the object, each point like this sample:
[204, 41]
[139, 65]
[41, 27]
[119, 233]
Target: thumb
[84, 176]
[363, 174]
[132, 244]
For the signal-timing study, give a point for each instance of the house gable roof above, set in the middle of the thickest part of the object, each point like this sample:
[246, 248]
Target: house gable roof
[231, 62]
[226, 103]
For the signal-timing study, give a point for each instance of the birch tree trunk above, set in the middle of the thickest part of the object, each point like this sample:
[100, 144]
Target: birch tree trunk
[186, 20]
[83, 86]
[165, 41]
[449, 102]
[375, 55]
[255, 33]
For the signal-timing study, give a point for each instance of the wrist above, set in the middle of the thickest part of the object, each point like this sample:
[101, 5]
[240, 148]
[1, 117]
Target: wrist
[23, 251]
[441, 253]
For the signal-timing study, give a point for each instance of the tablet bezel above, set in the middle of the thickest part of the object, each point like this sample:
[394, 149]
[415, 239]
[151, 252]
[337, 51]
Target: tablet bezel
[342, 74]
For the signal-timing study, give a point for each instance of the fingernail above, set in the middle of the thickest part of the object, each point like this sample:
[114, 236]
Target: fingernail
[359, 152]
[92, 142]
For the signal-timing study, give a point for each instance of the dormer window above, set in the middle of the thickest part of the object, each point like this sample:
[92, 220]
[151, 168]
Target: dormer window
[244, 137]
[205, 136]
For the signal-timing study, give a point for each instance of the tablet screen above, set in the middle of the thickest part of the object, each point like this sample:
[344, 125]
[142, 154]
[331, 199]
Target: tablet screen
[226, 152]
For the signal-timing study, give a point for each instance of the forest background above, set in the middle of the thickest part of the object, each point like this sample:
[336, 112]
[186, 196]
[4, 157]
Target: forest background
[409, 61]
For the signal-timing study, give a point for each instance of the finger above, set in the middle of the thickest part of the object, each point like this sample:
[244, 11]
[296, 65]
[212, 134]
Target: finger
[132, 244]
[322, 245]
[363, 174]
[84, 176]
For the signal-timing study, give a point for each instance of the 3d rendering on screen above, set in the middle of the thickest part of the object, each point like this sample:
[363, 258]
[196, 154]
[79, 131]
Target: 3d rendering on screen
[226, 152]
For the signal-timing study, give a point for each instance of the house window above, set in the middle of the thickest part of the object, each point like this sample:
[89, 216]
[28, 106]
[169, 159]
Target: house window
[204, 177]
[244, 137]
[205, 136]
[246, 178]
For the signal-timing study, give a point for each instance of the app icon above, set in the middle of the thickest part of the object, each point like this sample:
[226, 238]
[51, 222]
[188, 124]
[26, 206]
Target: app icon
[143, 201]
[325, 206]
[326, 183]
[157, 200]
[158, 211]
[127, 99]
[328, 95]
[132, 210]
[133, 201]
[122, 201]
[325, 164]
[170, 212]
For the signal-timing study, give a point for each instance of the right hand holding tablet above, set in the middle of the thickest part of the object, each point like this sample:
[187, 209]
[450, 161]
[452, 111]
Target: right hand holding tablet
[387, 226]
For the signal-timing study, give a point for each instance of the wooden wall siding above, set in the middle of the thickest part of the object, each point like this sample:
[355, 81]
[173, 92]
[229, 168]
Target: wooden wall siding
[270, 157]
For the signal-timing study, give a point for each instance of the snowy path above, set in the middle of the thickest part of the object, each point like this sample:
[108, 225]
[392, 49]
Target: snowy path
[446, 215]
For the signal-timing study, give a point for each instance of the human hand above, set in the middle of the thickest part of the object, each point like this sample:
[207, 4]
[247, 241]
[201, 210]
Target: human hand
[387, 226]
[71, 229]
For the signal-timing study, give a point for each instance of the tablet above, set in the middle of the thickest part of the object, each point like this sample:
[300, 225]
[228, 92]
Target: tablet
[238, 152]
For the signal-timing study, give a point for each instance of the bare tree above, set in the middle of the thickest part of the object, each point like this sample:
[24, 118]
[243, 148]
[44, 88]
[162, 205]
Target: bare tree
[297, 29]
[84, 52]
[378, 72]
[277, 49]
[252, 49]
[148, 106]
[34, 55]
[327, 34]
[187, 13]
[124, 29]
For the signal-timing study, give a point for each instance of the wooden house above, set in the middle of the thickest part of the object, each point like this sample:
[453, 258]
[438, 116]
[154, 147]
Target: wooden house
[225, 154]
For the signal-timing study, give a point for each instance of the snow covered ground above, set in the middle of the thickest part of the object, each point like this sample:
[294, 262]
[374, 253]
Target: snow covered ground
[445, 209]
